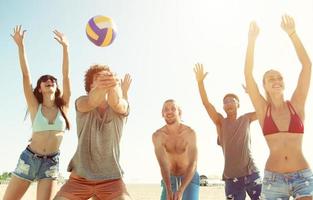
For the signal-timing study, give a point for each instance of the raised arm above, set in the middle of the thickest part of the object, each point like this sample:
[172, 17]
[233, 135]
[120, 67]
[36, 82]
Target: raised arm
[60, 37]
[257, 99]
[300, 94]
[98, 93]
[192, 155]
[32, 103]
[125, 84]
[200, 76]
[162, 158]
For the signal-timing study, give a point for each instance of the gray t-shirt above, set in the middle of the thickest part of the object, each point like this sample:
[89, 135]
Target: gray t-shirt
[98, 151]
[236, 143]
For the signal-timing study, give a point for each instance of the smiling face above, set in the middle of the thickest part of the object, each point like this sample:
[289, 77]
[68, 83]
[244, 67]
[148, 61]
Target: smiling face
[171, 112]
[273, 82]
[230, 104]
[48, 84]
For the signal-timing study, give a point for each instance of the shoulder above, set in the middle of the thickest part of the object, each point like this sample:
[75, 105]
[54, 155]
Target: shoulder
[80, 102]
[80, 99]
[158, 135]
[188, 130]
[251, 116]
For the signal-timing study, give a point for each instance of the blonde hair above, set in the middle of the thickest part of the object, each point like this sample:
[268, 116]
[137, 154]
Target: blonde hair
[172, 101]
[267, 95]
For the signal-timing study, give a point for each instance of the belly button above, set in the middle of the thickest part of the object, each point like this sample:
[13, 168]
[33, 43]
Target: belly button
[286, 158]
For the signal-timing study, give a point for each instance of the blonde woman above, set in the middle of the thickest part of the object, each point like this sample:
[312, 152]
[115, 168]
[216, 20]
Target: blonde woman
[287, 173]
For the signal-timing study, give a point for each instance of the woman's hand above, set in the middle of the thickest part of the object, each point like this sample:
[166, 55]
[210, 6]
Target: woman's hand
[288, 25]
[18, 35]
[60, 37]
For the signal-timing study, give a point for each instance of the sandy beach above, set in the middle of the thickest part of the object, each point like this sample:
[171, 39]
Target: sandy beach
[140, 192]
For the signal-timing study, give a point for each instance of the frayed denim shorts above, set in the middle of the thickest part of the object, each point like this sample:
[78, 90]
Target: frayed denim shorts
[284, 185]
[32, 166]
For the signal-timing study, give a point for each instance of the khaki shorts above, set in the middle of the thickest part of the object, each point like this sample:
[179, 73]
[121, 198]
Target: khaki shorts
[78, 188]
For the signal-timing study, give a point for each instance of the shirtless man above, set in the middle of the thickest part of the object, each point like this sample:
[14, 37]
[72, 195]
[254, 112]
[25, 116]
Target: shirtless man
[176, 151]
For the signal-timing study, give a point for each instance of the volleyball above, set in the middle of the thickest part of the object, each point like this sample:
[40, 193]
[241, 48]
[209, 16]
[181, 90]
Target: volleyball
[101, 30]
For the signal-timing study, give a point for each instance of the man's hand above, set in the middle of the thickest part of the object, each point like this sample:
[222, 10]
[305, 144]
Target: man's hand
[200, 75]
[178, 195]
[253, 31]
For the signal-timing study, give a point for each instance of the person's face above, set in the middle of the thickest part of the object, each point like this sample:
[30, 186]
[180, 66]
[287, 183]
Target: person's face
[171, 113]
[48, 84]
[231, 104]
[273, 82]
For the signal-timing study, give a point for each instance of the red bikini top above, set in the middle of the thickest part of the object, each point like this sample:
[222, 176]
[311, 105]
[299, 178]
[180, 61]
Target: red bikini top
[295, 125]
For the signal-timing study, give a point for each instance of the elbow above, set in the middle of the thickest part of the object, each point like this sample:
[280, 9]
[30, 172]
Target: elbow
[205, 103]
[309, 64]
[121, 110]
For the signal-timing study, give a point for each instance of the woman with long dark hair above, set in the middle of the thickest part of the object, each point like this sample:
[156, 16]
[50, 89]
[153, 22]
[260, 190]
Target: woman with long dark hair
[287, 173]
[48, 108]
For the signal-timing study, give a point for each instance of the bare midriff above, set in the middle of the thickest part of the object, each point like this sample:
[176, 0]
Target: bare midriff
[47, 142]
[285, 153]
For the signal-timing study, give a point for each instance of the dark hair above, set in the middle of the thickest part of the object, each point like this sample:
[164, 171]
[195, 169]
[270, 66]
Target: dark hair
[59, 101]
[231, 95]
[94, 69]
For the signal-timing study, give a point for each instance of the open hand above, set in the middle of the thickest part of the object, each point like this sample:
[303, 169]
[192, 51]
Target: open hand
[18, 35]
[60, 37]
[125, 83]
[288, 24]
[200, 75]
[253, 30]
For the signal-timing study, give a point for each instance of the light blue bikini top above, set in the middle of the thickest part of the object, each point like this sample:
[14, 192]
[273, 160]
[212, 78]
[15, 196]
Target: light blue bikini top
[41, 123]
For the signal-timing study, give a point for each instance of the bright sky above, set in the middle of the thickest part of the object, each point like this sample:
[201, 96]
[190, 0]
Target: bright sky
[158, 43]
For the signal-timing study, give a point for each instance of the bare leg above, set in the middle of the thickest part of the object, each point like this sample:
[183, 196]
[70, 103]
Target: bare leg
[46, 188]
[16, 188]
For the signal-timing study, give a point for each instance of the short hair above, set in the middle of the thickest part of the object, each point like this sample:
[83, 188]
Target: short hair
[94, 69]
[231, 95]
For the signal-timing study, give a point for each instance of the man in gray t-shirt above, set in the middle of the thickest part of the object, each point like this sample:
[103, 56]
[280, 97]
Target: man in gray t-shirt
[100, 117]
[240, 174]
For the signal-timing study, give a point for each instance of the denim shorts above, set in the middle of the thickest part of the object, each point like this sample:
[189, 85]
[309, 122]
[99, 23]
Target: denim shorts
[284, 185]
[192, 190]
[32, 166]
